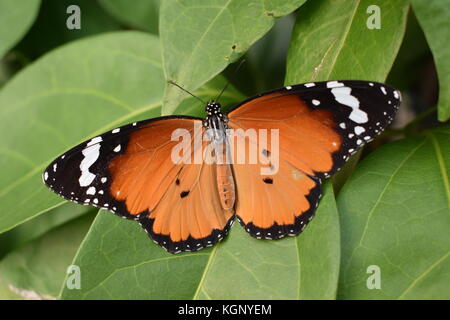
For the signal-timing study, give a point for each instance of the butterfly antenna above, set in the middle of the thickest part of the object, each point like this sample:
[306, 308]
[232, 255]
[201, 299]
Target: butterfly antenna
[177, 85]
[228, 82]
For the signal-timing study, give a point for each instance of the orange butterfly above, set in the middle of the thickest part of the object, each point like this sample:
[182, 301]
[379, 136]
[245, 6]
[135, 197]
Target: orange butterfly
[189, 202]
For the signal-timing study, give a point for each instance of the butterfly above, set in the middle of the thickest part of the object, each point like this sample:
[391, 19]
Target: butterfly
[186, 205]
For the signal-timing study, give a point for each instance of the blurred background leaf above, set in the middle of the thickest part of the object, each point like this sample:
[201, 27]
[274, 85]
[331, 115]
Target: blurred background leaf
[15, 19]
[142, 14]
[40, 225]
[433, 17]
[52, 20]
[395, 214]
[37, 269]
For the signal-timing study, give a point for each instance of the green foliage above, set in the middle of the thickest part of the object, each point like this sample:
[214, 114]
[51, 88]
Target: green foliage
[433, 16]
[15, 19]
[334, 50]
[143, 14]
[395, 214]
[392, 211]
[199, 41]
[27, 272]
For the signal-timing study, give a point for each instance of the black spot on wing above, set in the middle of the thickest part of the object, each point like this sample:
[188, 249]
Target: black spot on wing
[184, 194]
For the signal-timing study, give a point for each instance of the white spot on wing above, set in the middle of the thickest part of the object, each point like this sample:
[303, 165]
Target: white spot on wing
[383, 89]
[116, 130]
[334, 84]
[117, 149]
[359, 130]
[288, 88]
[396, 94]
[315, 102]
[343, 96]
[91, 154]
[309, 85]
[45, 175]
[91, 190]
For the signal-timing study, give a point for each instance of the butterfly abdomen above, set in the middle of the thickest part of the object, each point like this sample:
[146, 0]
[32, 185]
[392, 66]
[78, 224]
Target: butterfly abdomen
[225, 184]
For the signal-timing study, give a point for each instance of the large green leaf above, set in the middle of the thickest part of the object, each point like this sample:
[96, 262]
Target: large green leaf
[331, 40]
[69, 95]
[200, 39]
[15, 19]
[37, 269]
[434, 17]
[395, 214]
[142, 14]
[120, 262]
[303, 267]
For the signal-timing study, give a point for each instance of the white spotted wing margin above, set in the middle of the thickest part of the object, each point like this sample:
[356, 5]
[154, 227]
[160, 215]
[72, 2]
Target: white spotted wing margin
[81, 174]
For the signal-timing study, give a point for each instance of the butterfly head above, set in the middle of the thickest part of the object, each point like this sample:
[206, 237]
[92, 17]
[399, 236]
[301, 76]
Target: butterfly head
[213, 108]
[214, 115]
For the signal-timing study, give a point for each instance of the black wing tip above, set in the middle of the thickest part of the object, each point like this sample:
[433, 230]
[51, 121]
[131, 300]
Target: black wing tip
[277, 231]
[190, 244]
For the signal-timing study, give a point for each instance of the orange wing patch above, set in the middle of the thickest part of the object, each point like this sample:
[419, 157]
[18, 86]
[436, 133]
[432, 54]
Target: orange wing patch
[277, 205]
[307, 137]
[177, 204]
[143, 173]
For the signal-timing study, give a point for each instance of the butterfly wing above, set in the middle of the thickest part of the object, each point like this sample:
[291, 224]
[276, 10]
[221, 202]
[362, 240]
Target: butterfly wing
[320, 125]
[130, 171]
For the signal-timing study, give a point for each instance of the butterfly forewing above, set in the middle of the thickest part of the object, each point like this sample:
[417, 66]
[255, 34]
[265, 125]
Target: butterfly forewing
[321, 123]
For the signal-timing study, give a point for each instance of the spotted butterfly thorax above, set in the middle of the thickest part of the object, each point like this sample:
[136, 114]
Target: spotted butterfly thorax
[188, 205]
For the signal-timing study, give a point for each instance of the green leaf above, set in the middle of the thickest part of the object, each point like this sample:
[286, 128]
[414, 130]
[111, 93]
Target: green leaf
[40, 225]
[118, 252]
[15, 19]
[434, 17]
[199, 40]
[52, 22]
[69, 95]
[143, 14]
[302, 267]
[331, 41]
[395, 214]
[37, 269]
